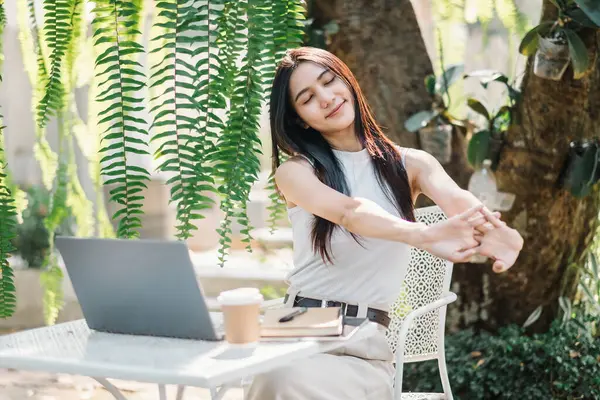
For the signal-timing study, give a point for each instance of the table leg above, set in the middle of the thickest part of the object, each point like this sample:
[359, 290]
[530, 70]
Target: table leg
[112, 389]
[180, 389]
[217, 394]
[162, 392]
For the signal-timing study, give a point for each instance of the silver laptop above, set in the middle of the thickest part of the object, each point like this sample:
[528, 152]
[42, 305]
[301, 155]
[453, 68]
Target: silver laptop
[138, 287]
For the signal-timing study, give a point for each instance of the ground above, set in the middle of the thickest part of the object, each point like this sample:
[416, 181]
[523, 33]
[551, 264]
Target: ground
[24, 385]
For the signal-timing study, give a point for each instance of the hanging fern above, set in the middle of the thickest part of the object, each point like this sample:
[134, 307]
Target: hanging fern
[30, 39]
[68, 198]
[8, 216]
[288, 26]
[236, 160]
[51, 277]
[58, 27]
[184, 122]
[288, 32]
[8, 219]
[90, 143]
[123, 78]
[77, 201]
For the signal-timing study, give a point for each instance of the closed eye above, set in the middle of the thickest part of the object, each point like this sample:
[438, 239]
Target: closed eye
[332, 79]
[307, 100]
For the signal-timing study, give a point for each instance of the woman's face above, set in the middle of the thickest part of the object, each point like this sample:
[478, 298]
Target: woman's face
[321, 99]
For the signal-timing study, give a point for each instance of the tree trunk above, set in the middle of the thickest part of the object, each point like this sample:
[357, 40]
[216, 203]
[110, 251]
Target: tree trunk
[557, 227]
[381, 42]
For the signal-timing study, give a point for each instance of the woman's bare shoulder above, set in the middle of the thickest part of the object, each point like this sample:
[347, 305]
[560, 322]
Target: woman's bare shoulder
[416, 159]
[293, 162]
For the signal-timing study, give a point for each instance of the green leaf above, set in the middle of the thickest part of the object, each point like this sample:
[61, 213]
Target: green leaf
[478, 148]
[579, 16]
[534, 316]
[591, 9]
[529, 43]
[419, 120]
[7, 217]
[578, 53]
[502, 120]
[565, 305]
[486, 76]
[450, 75]
[478, 107]
[430, 84]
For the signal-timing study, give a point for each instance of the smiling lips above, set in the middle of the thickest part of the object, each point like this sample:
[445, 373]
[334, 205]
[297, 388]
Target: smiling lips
[335, 109]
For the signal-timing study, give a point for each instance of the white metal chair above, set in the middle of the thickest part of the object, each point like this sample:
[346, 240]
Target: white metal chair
[416, 331]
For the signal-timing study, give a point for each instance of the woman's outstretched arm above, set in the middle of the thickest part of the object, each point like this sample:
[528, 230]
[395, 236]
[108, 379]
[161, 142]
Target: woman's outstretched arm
[429, 178]
[452, 240]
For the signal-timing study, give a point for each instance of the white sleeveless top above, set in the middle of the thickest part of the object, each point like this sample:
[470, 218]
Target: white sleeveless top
[371, 274]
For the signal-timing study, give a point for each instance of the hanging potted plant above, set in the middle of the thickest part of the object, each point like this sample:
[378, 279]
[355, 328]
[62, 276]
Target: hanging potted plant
[556, 44]
[487, 143]
[434, 127]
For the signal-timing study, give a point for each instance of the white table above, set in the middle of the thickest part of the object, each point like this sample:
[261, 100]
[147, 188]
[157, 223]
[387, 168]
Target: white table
[72, 348]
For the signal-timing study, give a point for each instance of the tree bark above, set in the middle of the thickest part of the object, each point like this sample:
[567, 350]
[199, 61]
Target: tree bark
[382, 44]
[557, 227]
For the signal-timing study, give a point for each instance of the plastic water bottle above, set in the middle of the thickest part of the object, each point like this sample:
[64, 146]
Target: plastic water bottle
[483, 184]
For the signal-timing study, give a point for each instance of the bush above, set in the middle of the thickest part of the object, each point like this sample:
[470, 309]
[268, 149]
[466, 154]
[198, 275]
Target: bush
[33, 240]
[563, 363]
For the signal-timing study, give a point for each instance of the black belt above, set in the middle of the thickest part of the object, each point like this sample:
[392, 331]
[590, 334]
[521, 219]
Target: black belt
[373, 314]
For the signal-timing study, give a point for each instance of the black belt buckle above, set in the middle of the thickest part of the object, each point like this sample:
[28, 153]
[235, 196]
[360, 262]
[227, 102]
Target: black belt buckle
[378, 316]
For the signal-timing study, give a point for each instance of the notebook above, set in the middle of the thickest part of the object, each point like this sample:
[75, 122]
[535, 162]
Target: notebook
[314, 322]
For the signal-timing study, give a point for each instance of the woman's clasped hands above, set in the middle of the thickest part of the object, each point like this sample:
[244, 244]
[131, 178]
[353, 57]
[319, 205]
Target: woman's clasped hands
[475, 231]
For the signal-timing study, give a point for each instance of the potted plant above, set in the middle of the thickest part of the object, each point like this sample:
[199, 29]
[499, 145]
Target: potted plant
[435, 126]
[557, 43]
[487, 143]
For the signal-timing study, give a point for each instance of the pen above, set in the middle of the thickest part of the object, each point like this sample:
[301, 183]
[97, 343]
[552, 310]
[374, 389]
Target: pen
[293, 314]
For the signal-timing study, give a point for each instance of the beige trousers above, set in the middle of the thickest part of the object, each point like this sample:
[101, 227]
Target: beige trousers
[362, 370]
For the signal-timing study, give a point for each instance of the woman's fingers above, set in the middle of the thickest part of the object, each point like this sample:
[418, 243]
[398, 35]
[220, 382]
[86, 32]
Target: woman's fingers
[481, 220]
[464, 255]
[477, 220]
[484, 228]
[497, 223]
[499, 266]
[470, 212]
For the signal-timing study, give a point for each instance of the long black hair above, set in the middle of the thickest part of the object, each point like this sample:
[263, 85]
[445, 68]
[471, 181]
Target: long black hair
[289, 137]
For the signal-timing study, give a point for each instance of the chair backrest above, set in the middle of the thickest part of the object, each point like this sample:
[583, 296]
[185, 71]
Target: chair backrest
[427, 279]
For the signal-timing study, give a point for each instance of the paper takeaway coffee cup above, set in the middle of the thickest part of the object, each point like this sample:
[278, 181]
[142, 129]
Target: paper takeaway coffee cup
[241, 310]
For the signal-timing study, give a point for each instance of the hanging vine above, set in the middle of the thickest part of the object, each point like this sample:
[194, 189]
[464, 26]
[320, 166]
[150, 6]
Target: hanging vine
[125, 135]
[8, 215]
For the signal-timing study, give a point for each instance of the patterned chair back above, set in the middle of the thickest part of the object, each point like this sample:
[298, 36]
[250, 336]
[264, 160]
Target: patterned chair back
[427, 279]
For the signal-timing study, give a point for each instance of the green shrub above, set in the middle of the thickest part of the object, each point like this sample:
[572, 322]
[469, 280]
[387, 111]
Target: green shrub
[563, 363]
[32, 240]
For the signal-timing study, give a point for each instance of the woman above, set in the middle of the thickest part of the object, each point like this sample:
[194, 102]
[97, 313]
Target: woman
[350, 193]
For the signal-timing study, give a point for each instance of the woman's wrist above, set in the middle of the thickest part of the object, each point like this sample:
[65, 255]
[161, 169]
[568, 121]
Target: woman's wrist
[417, 235]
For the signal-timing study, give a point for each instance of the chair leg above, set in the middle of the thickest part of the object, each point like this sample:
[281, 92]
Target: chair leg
[398, 381]
[444, 375]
